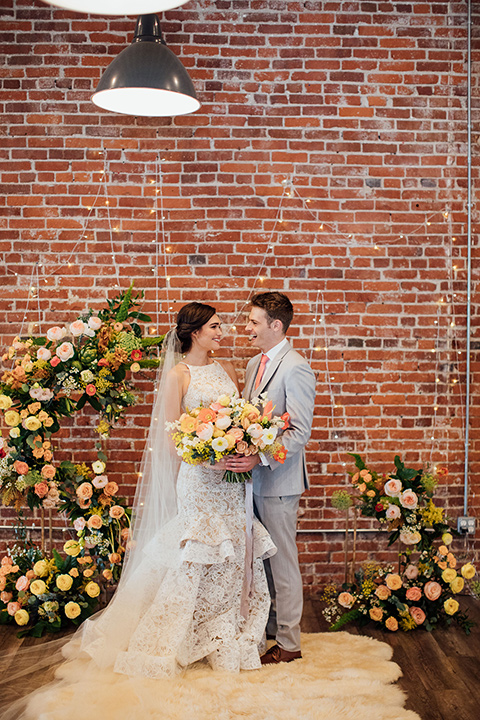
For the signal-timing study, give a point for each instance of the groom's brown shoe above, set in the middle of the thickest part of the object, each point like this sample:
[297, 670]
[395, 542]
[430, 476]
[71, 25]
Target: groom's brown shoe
[276, 654]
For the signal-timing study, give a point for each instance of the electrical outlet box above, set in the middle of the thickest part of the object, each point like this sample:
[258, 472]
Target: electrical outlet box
[466, 525]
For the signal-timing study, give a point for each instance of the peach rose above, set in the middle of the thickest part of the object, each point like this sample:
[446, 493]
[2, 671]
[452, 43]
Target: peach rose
[116, 512]
[411, 572]
[3, 582]
[100, 481]
[391, 624]
[204, 431]
[84, 504]
[48, 472]
[383, 592]
[34, 407]
[393, 581]
[393, 512]
[22, 583]
[242, 447]
[432, 590]
[452, 561]
[417, 614]
[107, 574]
[376, 613]
[56, 333]
[393, 488]
[111, 488]
[255, 430]
[236, 433]
[41, 489]
[442, 550]
[21, 467]
[408, 499]
[13, 607]
[94, 322]
[43, 353]
[346, 599]
[95, 522]
[84, 491]
[77, 328]
[6, 596]
[65, 351]
[414, 594]
[355, 477]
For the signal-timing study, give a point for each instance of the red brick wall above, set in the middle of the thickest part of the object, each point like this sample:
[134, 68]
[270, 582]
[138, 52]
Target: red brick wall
[330, 145]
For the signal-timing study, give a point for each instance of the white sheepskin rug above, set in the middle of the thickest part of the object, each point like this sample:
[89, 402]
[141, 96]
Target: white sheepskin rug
[340, 677]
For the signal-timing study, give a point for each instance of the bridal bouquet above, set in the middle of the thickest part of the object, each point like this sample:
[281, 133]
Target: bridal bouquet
[228, 426]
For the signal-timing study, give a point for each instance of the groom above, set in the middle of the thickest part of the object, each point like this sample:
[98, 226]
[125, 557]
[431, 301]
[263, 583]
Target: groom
[289, 382]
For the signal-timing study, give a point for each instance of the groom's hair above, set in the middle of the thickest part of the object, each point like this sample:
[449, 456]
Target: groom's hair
[276, 305]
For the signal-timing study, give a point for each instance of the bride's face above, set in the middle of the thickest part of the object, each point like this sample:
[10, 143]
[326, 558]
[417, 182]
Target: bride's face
[209, 336]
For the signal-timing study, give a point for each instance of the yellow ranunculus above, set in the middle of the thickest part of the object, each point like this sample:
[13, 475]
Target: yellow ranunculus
[5, 402]
[41, 568]
[72, 610]
[72, 547]
[64, 582]
[451, 606]
[224, 400]
[449, 574]
[457, 584]
[468, 571]
[38, 587]
[32, 423]
[447, 538]
[12, 418]
[22, 617]
[92, 589]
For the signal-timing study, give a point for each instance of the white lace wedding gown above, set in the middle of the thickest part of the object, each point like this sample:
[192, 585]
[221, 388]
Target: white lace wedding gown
[177, 608]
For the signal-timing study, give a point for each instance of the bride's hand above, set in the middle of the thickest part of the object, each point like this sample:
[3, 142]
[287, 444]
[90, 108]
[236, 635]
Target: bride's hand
[221, 464]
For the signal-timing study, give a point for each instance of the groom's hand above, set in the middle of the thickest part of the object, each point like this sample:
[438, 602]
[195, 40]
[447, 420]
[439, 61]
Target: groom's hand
[242, 463]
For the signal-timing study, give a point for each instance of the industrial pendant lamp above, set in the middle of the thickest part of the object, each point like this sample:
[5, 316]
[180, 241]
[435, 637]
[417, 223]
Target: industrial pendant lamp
[146, 78]
[117, 7]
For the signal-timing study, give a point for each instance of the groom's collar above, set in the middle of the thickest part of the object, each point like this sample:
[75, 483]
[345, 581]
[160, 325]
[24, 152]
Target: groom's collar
[273, 352]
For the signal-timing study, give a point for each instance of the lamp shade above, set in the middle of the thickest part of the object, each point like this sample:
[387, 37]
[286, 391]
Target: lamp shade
[116, 7]
[146, 78]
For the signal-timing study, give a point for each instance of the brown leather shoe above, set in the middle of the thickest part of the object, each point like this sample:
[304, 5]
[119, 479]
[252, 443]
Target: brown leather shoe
[276, 654]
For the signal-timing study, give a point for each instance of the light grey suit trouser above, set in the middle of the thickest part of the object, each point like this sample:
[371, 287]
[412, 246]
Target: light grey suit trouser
[279, 516]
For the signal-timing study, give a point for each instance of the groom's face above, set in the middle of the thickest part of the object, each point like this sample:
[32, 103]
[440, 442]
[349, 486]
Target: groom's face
[261, 333]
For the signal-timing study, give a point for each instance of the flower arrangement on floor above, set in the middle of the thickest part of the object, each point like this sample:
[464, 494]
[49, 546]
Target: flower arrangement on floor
[55, 376]
[423, 592]
[43, 594]
[227, 426]
[100, 517]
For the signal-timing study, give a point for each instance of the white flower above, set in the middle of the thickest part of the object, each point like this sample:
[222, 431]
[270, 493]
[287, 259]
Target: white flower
[56, 333]
[220, 444]
[77, 328]
[255, 430]
[393, 512]
[223, 422]
[409, 537]
[100, 481]
[14, 432]
[94, 322]
[87, 376]
[269, 435]
[65, 351]
[393, 488]
[408, 499]
[98, 467]
[43, 353]
[89, 332]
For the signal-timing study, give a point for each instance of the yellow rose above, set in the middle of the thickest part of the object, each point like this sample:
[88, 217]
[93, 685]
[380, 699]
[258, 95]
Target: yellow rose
[72, 610]
[449, 575]
[22, 617]
[72, 547]
[64, 582]
[447, 538]
[376, 613]
[5, 402]
[38, 587]
[393, 581]
[457, 584]
[92, 589]
[451, 606]
[32, 423]
[12, 418]
[41, 568]
[468, 571]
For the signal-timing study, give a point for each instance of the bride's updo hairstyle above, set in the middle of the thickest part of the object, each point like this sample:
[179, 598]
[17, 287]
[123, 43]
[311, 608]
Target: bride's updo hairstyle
[190, 318]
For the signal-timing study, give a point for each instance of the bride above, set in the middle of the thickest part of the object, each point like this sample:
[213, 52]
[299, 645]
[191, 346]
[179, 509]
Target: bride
[179, 600]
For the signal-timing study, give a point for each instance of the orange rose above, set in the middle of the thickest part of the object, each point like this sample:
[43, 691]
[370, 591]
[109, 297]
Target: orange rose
[383, 592]
[111, 488]
[21, 467]
[393, 581]
[391, 624]
[48, 472]
[376, 613]
[418, 615]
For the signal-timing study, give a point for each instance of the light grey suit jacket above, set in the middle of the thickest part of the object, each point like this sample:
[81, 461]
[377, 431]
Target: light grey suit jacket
[289, 382]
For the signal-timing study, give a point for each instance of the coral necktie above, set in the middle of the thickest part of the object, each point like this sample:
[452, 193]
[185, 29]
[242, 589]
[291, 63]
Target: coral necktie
[261, 370]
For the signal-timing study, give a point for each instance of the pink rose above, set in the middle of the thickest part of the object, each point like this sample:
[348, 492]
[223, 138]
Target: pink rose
[84, 491]
[41, 489]
[94, 322]
[6, 596]
[13, 607]
[432, 590]
[56, 333]
[95, 522]
[393, 488]
[116, 512]
[204, 431]
[65, 351]
[414, 594]
[393, 512]
[408, 499]
[418, 615]
[22, 583]
[55, 361]
[346, 599]
[21, 467]
[411, 572]
[79, 524]
[48, 472]
[43, 353]
[77, 328]
[111, 488]
[99, 481]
